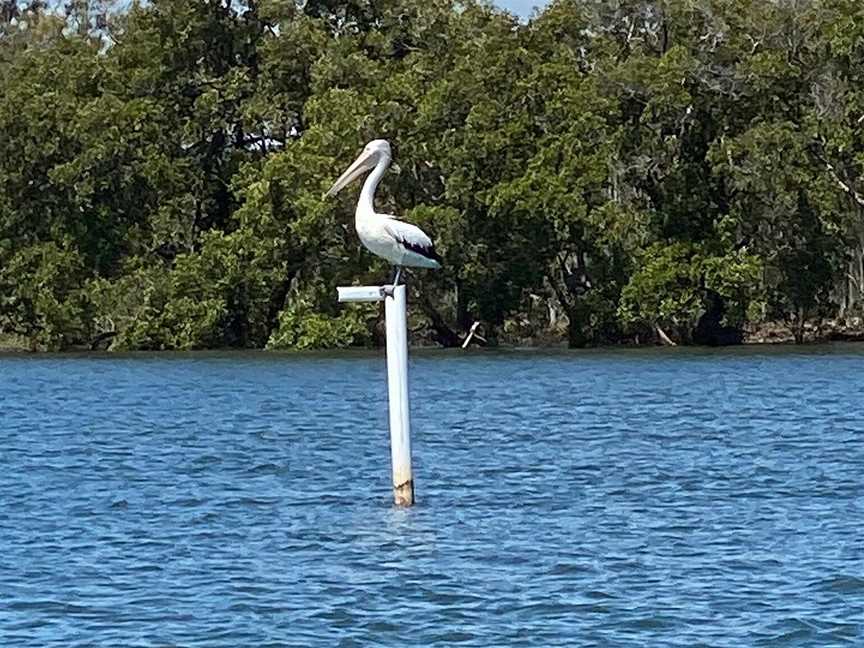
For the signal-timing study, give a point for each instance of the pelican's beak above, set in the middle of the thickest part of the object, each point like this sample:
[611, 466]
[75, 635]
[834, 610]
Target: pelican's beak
[364, 163]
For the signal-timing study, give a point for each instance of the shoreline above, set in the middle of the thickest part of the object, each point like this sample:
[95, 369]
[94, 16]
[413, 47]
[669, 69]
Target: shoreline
[763, 340]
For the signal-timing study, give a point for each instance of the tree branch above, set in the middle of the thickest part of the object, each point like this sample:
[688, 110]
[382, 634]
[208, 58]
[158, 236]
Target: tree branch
[665, 339]
[845, 186]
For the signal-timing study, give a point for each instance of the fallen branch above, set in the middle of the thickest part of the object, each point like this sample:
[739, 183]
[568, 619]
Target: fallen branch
[665, 339]
[473, 334]
[102, 337]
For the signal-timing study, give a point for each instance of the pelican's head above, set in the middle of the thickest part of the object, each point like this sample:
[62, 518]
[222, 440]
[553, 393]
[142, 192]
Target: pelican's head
[372, 154]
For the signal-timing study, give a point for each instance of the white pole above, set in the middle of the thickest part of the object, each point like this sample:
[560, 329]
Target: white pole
[395, 312]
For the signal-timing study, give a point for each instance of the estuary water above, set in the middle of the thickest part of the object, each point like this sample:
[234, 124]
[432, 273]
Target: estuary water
[630, 498]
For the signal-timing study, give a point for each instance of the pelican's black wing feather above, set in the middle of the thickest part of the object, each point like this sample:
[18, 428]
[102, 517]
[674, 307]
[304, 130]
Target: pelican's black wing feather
[413, 239]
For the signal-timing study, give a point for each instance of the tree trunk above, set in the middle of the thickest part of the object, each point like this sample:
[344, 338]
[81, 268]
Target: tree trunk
[443, 334]
[576, 316]
[278, 295]
[709, 330]
[553, 314]
[462, 319]
[798, 328]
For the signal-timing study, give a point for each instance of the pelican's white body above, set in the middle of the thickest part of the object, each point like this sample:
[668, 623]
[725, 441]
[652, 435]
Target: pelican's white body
[385, 236]
[400, 243]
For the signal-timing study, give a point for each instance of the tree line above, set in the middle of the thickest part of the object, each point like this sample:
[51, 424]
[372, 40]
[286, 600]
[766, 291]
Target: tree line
[605, 172]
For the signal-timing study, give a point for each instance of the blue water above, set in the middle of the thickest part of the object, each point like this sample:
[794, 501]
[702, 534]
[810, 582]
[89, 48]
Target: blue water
[659, 498]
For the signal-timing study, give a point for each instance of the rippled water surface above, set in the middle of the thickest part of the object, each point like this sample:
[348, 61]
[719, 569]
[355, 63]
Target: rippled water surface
[666, 498]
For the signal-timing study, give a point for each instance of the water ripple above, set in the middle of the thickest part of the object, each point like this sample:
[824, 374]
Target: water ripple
[666, 498]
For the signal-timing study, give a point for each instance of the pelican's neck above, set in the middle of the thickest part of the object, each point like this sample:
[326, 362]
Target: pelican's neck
[366, 205]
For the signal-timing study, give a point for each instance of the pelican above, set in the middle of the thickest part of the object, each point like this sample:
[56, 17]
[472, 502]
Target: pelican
[402, 244]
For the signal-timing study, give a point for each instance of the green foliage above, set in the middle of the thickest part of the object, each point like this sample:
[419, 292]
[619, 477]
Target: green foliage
[604, 167]
[302, 327]
[665, 289]
[41, 296]
[670, 284]
[216, 297]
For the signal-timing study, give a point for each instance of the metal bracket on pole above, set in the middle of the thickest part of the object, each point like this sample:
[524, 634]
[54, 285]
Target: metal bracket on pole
[395, 311]
[361, 293]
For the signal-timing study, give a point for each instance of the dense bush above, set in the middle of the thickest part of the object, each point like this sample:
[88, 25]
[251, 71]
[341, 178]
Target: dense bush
[603, 172]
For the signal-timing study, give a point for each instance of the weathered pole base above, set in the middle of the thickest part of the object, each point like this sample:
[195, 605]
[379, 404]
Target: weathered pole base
[403, 494]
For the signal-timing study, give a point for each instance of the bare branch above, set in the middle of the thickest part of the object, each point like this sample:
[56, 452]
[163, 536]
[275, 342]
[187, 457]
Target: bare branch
[857, 197]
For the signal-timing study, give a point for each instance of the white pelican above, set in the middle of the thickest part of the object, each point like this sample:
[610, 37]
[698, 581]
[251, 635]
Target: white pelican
[402, 244]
